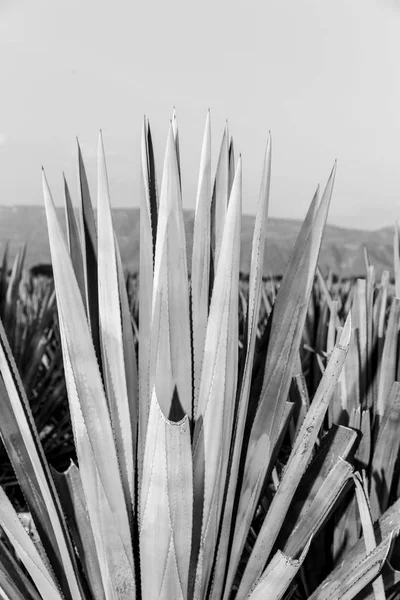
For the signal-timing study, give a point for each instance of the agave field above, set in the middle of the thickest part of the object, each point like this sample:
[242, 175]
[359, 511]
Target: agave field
[230, 440]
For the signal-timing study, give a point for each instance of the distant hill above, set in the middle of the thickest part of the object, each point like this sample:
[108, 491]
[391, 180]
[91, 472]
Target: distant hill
[342, 249]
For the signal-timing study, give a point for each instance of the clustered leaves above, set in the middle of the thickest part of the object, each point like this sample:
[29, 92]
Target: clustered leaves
[28, 313]
[183, 489]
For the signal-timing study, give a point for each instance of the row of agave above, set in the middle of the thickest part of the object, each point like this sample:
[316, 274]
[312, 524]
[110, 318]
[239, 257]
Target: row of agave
[28, 312]
[180, 492]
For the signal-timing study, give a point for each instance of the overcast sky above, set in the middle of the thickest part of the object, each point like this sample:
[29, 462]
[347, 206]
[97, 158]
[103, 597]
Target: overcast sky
[323, 76]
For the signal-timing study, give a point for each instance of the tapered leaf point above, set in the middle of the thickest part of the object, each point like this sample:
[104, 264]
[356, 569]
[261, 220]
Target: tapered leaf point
[208, 120]
[171, 147]
[346, 333]
[333, 172]
[238, 176]
[316, 198]
[44, 179]
[48, 199]
[101, 145]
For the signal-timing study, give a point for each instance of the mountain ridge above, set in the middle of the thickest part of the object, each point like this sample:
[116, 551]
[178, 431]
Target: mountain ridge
[342, 248]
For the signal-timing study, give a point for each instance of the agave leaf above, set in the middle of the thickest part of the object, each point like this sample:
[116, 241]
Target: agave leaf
[21, 440]
[200, 275]
[321, 506]
[213, 428]
[26, 550]
[327, 463]
[148, 232]
[396, 261]
[89, 252]
[360, 322]
[388, 524]
[130, 359]
[4, 272]
[293, 295]
[88, 404]
[363, 453]
[255, 286]
[166, 507]
[324, 288]
[175, 131]
[14, 583]
[385, 453]
[278, 576]
[122, 408]
[220, 198]
[391, 580]
[354, 576]
[74, 504]
[171, 364]
[388, 363]
[368, 530]
[287, 320]
[295, 466]
[13, 287]
[302, 401]
[333, 318]
[380, 307]
[74, 241]
[112, 542]
[371, 338]
[232, 168]
[383, 303]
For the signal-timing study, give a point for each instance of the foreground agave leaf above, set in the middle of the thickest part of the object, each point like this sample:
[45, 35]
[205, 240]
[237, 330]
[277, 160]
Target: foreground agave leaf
[166, 507]
[277, 577]
[206, 471]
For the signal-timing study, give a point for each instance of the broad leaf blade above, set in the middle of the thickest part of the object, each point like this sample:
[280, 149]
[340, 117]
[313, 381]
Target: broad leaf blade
[75, 507]
[354, 576]
[21, 440]
[88, 403]
[122, 411]
[285, 332]
[27, 551]
[297, 463]
[166, 507]
[368, 529]
[89, 252]
[200, 275]
[74, 241]
[220, 198]
[277, 577]
[255, 285]
[171, 360]
[148, 232]
[385, 453]
[388, 363]
[213, 429]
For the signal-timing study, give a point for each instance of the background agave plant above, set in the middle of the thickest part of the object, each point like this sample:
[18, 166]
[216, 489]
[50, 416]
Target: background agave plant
[28, 313]
[179, 490]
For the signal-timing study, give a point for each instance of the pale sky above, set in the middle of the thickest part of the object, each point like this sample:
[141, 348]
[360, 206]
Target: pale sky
[322, 75]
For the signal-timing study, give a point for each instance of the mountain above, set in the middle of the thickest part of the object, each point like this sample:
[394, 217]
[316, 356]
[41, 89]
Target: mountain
[342, 249]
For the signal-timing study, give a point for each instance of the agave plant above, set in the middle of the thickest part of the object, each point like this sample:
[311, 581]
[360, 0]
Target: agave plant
[177, 493]
[27, 310]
